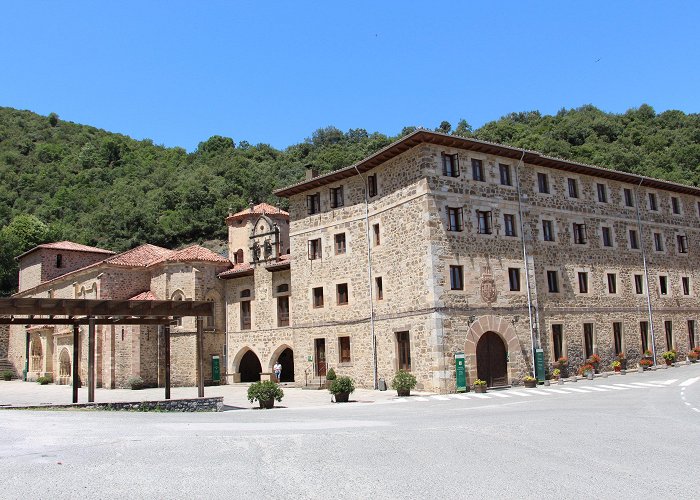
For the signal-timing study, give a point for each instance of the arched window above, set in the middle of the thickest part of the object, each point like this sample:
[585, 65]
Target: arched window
[64, 364]
[178, 295]
[238, 256]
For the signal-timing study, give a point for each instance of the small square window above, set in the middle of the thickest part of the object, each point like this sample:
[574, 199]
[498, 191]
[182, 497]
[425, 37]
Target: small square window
[553, 281]
[682, 243]
[344, 350]
[477, 170]
[372, 185]
[509, 225]
[450, 165]
[315, 249]
[456, 278]
[514, 279]
[675, 205]
[313, 203]
[547, 230]
[504, 170]
[607, 237]
[340, 244]
[653, 206]
[658, 242]
[485, 223]
[638, 284]
[573, 188]
[634, 239]
[336, 197]
[583, 282]
[612, 283]
[342, 294]
[318, 296]
[454, 219]
[602, 193]
[629, 198]
[543, 182]
[579, 231]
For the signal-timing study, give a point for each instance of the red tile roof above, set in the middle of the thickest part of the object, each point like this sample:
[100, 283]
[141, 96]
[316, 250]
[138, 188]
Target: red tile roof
[243, 269]
[259, 209]
[69, 246]
[147, 295]
[140, 256]
[193, 253]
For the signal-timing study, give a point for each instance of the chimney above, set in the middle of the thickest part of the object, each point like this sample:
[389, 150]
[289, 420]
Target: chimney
[311, 171]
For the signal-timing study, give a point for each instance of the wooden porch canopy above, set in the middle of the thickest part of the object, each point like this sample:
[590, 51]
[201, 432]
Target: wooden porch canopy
[91, 312]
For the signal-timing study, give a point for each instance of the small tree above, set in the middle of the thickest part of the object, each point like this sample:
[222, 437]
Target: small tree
[53, 119]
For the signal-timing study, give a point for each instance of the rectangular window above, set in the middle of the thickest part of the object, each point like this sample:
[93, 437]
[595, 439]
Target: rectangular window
[245, 315]
[336, 195]
[652, 202]
[543, 183]
[344, 350]
[658, 242]
[484, 222]
[588, 340]
[509, 225]
[456, 275]
[638, 284]
[607, 237]
[682, 243]
[634, 239]
[514, 279]
[504, 170]
[617, 337]
[573, 188]
[644, 335]
[612, 283]
[315, 249]
[685, 283]
[602, 192]
[59, 261]
[372, 185]
[454, 219]
[318, 296]
[450, 165]
[283, 311]
[313, 203]
[341, 294]
[340, 243]
[379, 288]
[583, 282]
[477, 170]
[668, 329]
[663, 285]
[403, 346]
[629, 199]
[547, 230]
[375, 232]
[579, 234]
[557, 341]
[675, 205]
[553, 281]
[691, 334]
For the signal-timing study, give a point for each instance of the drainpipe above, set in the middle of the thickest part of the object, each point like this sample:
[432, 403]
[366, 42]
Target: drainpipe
[646, 275]
[371, 288]
[527, 273]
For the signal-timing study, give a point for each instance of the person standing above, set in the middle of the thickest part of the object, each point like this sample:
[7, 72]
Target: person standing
[278, 371]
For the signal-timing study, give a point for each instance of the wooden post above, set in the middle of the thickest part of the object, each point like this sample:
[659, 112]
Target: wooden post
[26, 356]
[200, 356]
[76, 361]
[166, 342]
[91, 359]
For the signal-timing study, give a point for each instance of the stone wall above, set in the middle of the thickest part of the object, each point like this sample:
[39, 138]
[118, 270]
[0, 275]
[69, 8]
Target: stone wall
[212, 404]
[4, 340]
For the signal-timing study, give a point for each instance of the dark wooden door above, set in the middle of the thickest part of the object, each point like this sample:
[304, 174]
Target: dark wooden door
[320, 357]
[491, 363]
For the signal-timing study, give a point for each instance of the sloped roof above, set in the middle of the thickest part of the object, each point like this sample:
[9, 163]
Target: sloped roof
[69, 246]
[147, 295]
[242, 269]
[193, 253]
[259, 209]
[141, 256]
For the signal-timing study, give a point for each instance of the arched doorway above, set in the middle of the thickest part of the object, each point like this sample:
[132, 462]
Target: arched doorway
[37, 360]
[491, 362]
[64, 367]
[286, 359]
[249, 367]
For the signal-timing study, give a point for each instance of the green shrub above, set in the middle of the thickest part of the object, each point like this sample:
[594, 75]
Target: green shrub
[44, 380]
[135, 383]
[330, 375]
[669, 355]
[265, 391]
[6, 375]
[403, 381]
[342, 384]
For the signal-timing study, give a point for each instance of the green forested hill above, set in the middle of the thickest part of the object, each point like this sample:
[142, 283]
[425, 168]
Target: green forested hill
[60, 180]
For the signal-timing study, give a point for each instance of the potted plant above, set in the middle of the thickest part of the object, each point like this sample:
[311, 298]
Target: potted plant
[529, 381]
[692, 357]
[330, 377]
[594, 361]
[403, 382]
[563, 365]
[480, 386]
[617, 366]
[622, 359]
[135, 383]
[7, 375]
[587, 370]
[645, 363]
[341, 388]
[669, 357]
[265, 393]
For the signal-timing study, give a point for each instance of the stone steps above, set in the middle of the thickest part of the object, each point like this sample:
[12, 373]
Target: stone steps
[6, 365]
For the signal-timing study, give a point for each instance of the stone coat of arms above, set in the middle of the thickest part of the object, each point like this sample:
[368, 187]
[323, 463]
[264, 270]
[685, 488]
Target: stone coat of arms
[488, 286]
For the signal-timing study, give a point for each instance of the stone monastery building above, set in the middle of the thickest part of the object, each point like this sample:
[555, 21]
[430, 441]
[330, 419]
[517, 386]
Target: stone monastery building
[433, 246]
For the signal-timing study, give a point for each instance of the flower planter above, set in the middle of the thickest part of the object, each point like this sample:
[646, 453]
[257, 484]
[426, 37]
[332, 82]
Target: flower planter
[342, 397]
[530, 384]
[402, 393]
[267, 403]
[480, 389]
[618, 369]
[669, 362]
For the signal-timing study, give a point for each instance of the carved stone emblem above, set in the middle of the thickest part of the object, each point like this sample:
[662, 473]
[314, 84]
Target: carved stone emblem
[488, 286]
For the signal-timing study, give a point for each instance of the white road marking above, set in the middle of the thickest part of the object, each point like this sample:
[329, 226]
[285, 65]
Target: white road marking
[400, 400]
[695, 409]
[688, 404]
[576, 389]
[499, 395]
[645, 384]
[459, 396]
[480, 396]
[557, 391]
[597, 389]
[688, 382]
[627, 386]
[613, 387]
[519, 393]
[419, 398]
[669, 382]
[440, 398]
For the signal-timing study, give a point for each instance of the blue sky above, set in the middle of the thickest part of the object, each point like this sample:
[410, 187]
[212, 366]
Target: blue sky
[179, 72]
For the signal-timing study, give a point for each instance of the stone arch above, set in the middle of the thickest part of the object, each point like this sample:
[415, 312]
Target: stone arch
[504, 329]
[64, 366]
[247, 364]
[285, 355]
[178, 295]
